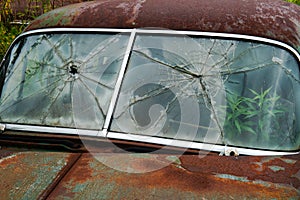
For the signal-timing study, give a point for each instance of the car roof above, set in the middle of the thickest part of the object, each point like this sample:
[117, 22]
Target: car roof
[273, 19]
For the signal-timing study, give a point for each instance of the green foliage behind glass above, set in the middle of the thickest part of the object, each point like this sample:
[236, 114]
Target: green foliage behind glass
[255, 119]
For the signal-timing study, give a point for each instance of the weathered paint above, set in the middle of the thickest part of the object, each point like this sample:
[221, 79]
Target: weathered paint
[252, 167]
[28, 175]
[188, 177]
[273, 19]
[61, 175]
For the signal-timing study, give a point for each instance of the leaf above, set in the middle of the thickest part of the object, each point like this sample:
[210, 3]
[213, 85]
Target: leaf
[229, 117]
[249, 129]
[264, 94]
[251, 115]
[237, 125]
[271, 113]
[254, 92]
[278, 111]
[260, 126]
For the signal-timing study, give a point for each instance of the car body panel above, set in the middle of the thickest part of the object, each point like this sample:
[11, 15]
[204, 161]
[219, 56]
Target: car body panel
[27, 175]
[63, 175]
[274, 19]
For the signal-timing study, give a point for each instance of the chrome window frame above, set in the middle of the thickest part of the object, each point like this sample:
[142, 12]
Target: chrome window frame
[105, 132]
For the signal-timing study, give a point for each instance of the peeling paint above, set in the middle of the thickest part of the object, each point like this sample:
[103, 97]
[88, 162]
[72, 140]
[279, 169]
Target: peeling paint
[136, 10]
[289, 161]
[246, 180]
[232, 177]
[276, 168]
[132, 8]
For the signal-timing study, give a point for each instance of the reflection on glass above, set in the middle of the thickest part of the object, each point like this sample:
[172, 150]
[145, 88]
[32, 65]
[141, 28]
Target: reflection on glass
[63, 80]
[211, 90]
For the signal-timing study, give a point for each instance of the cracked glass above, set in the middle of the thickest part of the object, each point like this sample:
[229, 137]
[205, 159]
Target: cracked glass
[212, 90]
[61, 79]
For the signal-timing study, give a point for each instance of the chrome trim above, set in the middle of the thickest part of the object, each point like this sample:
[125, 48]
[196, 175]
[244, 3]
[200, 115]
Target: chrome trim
[119, 81]
[195, 145]
[57, 30]
[46, 30]
[47, 129]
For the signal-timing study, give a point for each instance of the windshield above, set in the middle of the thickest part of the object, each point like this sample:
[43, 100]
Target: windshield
[202, 89]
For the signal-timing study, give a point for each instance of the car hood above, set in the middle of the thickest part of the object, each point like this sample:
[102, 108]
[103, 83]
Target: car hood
[62, 175]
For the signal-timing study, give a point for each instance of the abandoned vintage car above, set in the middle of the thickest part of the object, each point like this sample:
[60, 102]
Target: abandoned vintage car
[140, 99]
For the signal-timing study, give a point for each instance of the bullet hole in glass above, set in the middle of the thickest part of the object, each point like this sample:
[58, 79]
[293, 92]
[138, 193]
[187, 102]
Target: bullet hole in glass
[73, 70]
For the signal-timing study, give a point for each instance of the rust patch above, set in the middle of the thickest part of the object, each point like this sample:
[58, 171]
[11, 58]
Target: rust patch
[252, 167]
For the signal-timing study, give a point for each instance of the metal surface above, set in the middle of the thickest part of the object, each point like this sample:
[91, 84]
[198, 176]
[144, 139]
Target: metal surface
[188, 177]
[273, 19]
[43, 174]
[28, 175]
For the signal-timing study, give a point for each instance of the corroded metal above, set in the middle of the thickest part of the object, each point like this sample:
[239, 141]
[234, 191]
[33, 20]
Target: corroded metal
[188, 177]
[60, 175]
[28, 175]
[273, 19]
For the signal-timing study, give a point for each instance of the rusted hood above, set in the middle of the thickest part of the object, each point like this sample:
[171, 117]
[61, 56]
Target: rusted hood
[61, 175]
[273, 19]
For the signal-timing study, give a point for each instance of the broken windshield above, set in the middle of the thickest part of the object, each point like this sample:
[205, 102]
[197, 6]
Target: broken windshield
[211, 90]
[201, 89]
[48, 73]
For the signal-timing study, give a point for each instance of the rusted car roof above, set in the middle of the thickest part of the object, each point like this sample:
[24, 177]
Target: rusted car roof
[273, 19]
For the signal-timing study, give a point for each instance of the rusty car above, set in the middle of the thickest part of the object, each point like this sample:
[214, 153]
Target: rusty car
[150, 99]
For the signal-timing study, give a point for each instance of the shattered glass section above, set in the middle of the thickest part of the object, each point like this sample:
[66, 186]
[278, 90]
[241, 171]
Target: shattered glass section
[165, 95]
[211, 90]
[48, 75]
